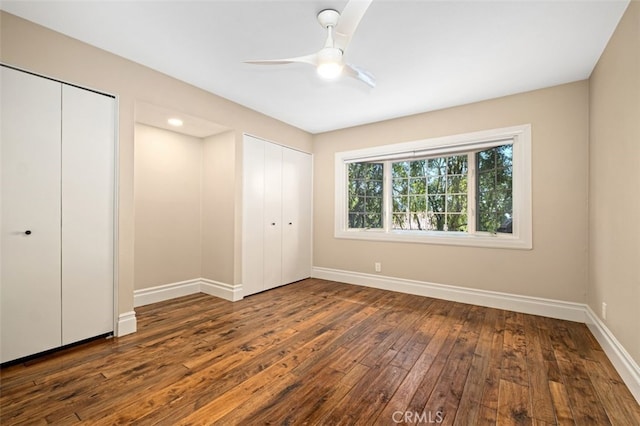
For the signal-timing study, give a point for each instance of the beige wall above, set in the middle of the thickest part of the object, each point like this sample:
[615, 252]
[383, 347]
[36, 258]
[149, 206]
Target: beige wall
[37, 49]
[167, 193]
[218, 208]
[184, 207]
[614, 256]
[556, 268]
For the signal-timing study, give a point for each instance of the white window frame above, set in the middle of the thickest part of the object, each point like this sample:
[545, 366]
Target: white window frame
[520, 238]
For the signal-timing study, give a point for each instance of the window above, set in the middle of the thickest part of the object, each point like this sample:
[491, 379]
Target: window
[495, 189]
[365, 195]
[430, 194]
[471, 189]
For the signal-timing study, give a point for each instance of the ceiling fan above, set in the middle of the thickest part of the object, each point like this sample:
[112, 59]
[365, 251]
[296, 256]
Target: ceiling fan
[329, 61]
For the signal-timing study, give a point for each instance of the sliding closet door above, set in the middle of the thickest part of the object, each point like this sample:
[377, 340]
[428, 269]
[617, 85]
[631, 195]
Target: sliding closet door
[272, 215]
[296, 215]
[30, 252]
[276, 230]
[252, 215]
[87, 214]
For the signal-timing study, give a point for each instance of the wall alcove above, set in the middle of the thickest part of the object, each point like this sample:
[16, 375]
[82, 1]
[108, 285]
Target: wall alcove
[184, 197]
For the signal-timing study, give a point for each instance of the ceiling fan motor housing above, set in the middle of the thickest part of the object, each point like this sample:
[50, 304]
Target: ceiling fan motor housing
[328, 18]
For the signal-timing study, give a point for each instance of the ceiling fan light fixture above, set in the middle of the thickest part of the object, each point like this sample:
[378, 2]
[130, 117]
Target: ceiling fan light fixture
[330, 70]
[330, 63]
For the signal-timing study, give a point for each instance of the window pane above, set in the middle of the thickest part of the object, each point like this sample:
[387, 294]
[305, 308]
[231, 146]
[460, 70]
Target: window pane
[400, 204]
[417, 185]
[457, 203]
[373, 204]
[400, 221]
[354, 171]
[356, 204]
[437, 166]
[417, 168]
[436, 203]
[457, 165]
[486, 159]
[417, 204]
[365, 189]
[374, 188]
[437, 185]
[375, 171]
[418, 221]
[457, 184]
[504, 156]
[495, 189]
[436, 222]
[400, 187]
[457, 222]
[355, 220]
[401, 169]
[374, 220]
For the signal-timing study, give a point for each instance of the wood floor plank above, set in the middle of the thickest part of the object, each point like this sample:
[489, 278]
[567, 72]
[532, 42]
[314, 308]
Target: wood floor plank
[427, 384]
[235, 370]
[401, 400]
[612, 391]
[368, 397]
[332, 396]
[257, 391]
[309, 394]
[514, 406]
[561, 404]
[445, 398]
[585, 404]
[514, 365]
[548, 353]
[468, 411]
[214, 380]
[486, 416]
[490, 390]
[319, 352]
[541, 403]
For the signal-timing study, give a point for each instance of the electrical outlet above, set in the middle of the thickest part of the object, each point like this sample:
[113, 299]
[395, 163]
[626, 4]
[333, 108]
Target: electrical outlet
[604, 311]
[378, 266]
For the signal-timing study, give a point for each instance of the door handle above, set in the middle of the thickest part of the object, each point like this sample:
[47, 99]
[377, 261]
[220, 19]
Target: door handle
[27, 232]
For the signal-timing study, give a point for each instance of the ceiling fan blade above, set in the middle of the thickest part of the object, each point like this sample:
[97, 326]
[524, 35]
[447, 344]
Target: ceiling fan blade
[360, 74]
[348, 22]
[307, 59]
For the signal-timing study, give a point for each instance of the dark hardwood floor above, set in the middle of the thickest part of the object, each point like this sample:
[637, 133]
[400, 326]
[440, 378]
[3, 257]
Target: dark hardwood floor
[319, 352]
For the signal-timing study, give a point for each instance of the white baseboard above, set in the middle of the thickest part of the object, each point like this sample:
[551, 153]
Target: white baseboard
[164, 292]
[492, 299]
[617, 354]
[225, 291]
[127, 324]
[579, 312]
[147, 296]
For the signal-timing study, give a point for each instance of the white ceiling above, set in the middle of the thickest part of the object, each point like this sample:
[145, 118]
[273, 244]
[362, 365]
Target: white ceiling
[158, 116]
[426, 55]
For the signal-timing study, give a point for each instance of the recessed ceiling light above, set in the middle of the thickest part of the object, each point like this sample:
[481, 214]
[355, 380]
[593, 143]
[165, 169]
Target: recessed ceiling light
[175, 122]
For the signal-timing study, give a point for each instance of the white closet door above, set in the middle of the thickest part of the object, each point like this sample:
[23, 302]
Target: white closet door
[296, 211]
[30, 281]
[253, 215]
[87, 213]
[272, 215]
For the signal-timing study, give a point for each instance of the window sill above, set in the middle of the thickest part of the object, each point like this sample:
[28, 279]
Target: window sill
[486, 240]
